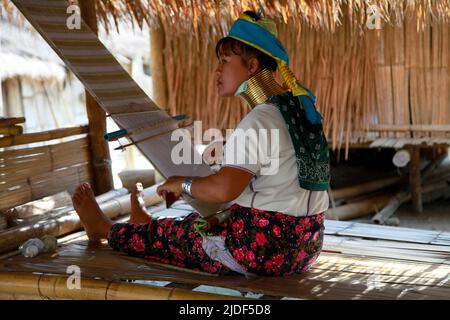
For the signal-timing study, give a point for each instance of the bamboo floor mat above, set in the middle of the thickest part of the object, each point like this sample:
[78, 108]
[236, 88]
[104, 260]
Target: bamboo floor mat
[351, 266]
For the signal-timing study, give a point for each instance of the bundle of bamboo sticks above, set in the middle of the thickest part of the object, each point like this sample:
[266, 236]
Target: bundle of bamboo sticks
[384, 196]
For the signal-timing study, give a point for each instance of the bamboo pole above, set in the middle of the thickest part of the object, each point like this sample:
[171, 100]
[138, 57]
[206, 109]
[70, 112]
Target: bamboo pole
[68, 222]
[13, 130]
[363, 188]
[56, 287]
[7, 122]
[403, 197]
[129, 178]
[100, 157]
[22, 216]
[42, 136]
[110, 195]
[358, 209]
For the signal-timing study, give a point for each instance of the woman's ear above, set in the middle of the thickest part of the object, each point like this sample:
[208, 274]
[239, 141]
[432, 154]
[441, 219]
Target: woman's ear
[253, 65]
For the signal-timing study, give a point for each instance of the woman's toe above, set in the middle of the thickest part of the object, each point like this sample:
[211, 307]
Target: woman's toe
[78, 189]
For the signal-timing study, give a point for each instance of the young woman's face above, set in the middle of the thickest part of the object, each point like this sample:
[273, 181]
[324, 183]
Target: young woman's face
[230, 74]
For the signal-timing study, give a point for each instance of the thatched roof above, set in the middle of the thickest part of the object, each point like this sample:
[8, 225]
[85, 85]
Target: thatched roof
[216, 15]
[189, 15]
[12, 65]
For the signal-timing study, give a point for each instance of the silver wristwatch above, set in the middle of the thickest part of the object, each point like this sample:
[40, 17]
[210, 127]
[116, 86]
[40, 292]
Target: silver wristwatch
[186, 186]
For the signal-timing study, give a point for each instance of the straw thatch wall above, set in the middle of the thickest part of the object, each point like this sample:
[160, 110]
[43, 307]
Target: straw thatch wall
[393, 76]
[196, 15]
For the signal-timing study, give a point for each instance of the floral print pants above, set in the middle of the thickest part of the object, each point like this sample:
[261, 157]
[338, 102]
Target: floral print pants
[262, 242]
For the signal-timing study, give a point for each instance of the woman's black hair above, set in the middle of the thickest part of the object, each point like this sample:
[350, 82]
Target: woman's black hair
[228, 44]
[252, 15]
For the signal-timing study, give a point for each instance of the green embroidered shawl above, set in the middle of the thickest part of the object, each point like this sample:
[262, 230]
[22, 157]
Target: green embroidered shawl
[310, 144]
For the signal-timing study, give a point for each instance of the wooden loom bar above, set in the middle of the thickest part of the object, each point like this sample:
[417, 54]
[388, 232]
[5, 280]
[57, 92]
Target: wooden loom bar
[100, 157]
[42, 136]
[122, 147]
[55, 287]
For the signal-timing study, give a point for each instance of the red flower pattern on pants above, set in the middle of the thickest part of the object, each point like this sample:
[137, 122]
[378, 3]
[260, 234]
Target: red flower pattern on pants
[263, 242]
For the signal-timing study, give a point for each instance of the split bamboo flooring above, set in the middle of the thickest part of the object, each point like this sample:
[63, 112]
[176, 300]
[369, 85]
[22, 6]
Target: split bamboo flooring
[359, 261]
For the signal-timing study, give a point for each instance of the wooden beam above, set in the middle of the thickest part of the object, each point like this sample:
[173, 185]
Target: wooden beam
[415, 180]
[100, 157]
[41, 136]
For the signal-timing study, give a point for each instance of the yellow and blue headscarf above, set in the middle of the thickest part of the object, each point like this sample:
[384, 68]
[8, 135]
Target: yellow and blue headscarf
[262, 35]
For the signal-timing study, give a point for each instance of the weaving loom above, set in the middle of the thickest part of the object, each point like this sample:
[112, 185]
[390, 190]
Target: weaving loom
[148, 127]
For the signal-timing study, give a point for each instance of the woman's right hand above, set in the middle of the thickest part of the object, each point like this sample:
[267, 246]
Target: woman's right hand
[212, 223]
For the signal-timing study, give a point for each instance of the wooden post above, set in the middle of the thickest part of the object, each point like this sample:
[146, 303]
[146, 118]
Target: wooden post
[13, 98]
[158, 67]
[100, 157]
[415, 180]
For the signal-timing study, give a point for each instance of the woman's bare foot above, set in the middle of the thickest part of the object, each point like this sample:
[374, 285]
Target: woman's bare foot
[96, 223]
[139, 213]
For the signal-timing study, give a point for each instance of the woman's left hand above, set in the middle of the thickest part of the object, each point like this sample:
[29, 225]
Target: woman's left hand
[172, 185]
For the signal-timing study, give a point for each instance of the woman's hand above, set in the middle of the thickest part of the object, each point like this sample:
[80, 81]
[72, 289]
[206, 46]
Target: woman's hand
[212, 223]
[221, 187]
[172, 185]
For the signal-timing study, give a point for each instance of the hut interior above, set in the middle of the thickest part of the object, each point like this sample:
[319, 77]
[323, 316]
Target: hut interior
[381, 84]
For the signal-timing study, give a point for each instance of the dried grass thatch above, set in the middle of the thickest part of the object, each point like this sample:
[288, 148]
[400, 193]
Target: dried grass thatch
[191, 15]
[393, 76]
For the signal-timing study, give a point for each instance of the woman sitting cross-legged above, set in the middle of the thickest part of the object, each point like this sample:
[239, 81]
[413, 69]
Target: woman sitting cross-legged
[275, 224]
